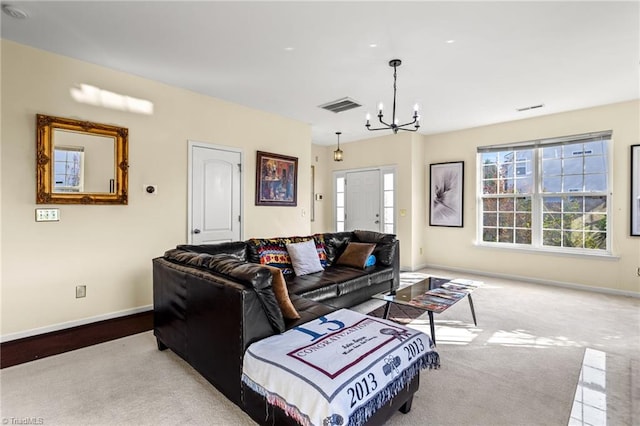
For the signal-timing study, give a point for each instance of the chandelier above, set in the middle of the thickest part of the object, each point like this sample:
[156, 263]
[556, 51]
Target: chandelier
[395, 63]
[337, 154]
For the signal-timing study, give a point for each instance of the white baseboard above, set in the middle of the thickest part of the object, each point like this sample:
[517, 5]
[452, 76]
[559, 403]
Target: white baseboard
[74, 323]
[573, 286]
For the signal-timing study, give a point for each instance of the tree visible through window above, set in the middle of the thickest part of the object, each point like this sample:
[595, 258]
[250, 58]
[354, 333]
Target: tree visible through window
[546, 194]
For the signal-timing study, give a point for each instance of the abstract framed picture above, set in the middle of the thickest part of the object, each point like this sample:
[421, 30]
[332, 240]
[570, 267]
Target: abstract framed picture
[276, 180]
[635, 190]
[446, 194]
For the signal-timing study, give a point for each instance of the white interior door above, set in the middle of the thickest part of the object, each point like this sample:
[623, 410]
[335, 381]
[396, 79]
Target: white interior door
[214, 193]
[363, 200]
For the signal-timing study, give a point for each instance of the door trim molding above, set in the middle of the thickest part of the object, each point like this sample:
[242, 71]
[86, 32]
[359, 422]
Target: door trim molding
[190, 145]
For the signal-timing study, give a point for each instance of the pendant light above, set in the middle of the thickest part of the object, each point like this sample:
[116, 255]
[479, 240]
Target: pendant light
[337, 154]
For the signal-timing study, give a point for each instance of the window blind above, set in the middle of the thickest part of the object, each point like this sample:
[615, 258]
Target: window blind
[564, 140]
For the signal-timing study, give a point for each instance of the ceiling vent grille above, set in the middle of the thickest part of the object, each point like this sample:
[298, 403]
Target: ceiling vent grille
[340, 105]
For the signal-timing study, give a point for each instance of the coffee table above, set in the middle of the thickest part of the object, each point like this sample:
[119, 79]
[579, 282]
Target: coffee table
[434, 295]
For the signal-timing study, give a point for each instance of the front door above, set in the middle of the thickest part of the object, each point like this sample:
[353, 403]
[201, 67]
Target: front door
[363, 200]
[214, 194]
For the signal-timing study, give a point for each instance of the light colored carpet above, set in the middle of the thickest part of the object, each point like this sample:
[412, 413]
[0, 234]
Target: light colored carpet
[519, 366]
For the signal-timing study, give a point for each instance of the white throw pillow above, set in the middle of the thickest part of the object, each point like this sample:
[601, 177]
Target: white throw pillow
[304, 257]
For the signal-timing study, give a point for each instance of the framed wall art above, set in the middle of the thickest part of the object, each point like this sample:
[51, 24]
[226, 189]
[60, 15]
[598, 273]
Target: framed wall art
[635, 190]
[276, 180]
[446, 194]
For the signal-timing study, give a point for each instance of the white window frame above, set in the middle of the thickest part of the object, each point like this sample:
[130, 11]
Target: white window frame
[537, 196]
[383, 171]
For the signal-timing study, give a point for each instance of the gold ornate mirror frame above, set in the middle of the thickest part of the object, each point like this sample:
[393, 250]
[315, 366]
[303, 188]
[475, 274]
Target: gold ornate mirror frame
[46, 190]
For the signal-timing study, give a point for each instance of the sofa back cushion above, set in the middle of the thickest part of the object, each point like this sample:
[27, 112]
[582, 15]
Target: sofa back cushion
[236, 248]
[273, 251]
[385, 250]
[334, 244]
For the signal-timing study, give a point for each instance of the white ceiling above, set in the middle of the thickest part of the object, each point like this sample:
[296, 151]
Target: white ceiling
[290, 57]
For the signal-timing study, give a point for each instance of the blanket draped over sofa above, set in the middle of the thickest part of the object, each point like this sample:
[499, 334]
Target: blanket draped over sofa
[211, 302]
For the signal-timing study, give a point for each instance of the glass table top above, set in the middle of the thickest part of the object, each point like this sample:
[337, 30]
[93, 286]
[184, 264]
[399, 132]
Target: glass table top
[431, 294]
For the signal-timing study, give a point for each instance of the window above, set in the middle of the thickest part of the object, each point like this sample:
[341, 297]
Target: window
[340, 196]
[551, 194]
[68, 171]
[387, 203]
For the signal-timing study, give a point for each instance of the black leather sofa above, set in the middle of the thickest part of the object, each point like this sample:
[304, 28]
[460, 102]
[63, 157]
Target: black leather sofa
[212, 301]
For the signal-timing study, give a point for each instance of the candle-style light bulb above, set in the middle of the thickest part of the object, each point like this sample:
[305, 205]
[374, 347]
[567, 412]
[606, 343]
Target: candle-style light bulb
[380, 107]
[368, 117]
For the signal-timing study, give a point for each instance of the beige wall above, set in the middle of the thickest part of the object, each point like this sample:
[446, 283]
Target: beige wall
[389, 150]
[455, 247]
[109, 248]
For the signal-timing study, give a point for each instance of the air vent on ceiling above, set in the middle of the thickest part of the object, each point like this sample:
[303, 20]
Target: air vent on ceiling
[527, 108]
[340, 105]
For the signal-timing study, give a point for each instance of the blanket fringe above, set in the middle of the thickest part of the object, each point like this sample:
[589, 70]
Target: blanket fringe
[277, 401]
[430, 360]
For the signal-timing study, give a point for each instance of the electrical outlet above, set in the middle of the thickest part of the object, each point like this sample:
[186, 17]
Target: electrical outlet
[81, 291]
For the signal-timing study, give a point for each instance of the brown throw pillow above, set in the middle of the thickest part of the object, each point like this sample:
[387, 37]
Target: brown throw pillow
[279, 286]
[356, 254]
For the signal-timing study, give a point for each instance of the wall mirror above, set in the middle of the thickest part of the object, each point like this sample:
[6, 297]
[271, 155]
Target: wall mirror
[80, 162]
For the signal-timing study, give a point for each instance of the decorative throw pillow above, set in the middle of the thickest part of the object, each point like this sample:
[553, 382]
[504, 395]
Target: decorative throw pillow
[279, 286]
[322, 253]
[371, 261]
[273, 252]
[356, 255]
[304, 257]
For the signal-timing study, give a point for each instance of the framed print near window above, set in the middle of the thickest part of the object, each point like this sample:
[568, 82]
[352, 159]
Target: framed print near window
[635, 190]
[446, 192]
[276, 180]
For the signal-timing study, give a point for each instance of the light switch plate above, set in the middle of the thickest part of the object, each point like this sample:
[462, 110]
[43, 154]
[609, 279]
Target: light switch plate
[47, 215]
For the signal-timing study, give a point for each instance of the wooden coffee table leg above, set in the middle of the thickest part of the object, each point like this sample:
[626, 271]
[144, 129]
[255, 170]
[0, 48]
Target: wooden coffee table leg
[433, 327]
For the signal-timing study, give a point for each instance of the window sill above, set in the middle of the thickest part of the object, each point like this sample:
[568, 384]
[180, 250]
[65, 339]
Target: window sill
[547, 251]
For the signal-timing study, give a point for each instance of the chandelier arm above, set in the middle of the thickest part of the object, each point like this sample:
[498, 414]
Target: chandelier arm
[381, 121]
[415, 120]
[408, 130]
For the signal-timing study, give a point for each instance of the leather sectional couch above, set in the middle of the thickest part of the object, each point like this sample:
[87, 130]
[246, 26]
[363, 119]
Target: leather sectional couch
[212, 301]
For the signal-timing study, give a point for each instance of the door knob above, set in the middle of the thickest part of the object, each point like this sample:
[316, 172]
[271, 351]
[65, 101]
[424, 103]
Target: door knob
[196, 231]
[377, 221]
